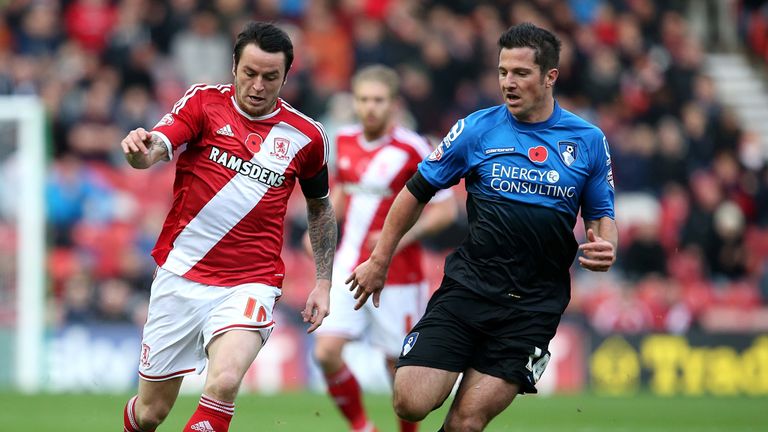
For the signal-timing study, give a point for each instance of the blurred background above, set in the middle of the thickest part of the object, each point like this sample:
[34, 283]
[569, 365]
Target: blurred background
[678, 87]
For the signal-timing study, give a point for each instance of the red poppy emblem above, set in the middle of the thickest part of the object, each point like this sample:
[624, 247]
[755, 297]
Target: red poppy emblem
[538, 154]
[253, 142]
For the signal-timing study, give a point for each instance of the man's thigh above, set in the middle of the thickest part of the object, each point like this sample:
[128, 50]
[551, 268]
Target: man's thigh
[422, 389]
[462, 330]
[233, 351]
[442, 339]
[516, 349]
[480, 398]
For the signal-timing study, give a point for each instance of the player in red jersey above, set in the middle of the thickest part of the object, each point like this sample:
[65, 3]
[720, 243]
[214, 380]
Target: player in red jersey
[218, 255]
[374, 160]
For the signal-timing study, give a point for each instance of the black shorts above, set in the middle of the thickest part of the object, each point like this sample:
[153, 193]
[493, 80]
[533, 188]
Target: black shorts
[461, 330]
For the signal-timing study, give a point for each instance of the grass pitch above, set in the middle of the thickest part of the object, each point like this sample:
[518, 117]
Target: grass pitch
[313, 412]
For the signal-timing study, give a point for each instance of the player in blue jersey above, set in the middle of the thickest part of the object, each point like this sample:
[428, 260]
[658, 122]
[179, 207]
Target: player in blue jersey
[529, 167]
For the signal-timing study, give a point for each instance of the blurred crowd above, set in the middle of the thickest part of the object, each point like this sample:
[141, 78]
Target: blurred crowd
[692, 186]
[753, 27]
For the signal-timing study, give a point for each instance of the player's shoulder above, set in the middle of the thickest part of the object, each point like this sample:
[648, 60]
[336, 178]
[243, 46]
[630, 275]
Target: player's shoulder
[210, 91]
[580, 125]
[205, 94]
[411, 140]
[349, 132]
[475, 126]
[306, 124]
[481, 121]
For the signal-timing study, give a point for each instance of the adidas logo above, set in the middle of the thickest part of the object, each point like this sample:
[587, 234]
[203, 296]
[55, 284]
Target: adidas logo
[226, 131]
[205, 425]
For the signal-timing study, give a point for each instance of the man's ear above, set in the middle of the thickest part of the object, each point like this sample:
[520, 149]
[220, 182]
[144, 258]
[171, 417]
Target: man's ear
[233, 65]
[551, 77]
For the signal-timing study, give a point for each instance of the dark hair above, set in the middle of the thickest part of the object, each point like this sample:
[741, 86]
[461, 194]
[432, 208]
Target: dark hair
[268, 37]
[546, 44]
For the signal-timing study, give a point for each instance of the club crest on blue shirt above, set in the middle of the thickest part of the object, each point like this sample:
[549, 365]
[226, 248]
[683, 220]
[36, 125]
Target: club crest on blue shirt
[409, 342]
[567, 151]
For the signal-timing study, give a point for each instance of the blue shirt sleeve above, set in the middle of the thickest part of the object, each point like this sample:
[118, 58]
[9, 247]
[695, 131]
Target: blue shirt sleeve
[449, 162]
[597, 198]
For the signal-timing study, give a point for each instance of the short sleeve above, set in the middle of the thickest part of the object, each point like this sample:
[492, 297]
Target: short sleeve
[184, 121]
[598, 195]
[449, 162]
[315, 158]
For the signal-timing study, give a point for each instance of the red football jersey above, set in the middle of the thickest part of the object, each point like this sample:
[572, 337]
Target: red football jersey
[372, 174]
[232, 185]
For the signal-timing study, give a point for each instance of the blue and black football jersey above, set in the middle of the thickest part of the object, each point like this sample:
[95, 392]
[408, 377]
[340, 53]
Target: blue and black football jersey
[526, 183]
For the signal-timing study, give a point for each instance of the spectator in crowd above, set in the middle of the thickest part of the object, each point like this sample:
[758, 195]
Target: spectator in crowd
[201, 53]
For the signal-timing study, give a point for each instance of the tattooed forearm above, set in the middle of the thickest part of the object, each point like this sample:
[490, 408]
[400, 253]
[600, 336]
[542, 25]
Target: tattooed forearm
[322, 234]
[157, 151]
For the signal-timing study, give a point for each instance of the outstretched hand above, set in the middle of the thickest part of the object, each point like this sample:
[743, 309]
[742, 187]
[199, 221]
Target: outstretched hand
[137, 141]
[367, 280]
[318, 305]
[598, 254]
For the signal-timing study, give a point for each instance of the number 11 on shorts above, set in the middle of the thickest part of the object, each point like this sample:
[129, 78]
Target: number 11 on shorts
[250, 307]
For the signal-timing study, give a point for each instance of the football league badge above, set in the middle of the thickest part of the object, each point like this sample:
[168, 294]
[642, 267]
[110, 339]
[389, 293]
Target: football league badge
[567, 152]
[409, 342]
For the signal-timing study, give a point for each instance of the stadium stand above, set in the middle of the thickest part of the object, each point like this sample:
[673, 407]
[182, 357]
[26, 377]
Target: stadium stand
[692, 196]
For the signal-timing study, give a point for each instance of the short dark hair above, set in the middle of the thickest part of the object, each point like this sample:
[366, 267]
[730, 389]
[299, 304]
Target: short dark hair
[546, 44]
[268, 37]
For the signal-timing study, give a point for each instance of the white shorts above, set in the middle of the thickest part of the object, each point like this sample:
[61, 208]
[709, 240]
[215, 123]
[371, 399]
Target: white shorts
[400, 307]
[185, 315]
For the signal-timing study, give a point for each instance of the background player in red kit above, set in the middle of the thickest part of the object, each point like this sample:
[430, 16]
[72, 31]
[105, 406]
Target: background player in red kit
[218, 254]
[374, 160]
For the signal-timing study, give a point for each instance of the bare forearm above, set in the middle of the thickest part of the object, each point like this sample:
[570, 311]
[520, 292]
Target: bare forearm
[606, 229]
[435, 218]
[403, 214]
[156, 151]
[321, 222]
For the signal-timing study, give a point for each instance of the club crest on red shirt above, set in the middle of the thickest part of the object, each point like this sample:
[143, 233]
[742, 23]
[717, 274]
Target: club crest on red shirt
[167, 120]
[280, 148]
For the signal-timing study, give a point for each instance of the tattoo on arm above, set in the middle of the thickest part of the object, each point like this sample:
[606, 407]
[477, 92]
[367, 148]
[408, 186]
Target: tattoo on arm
[158, 145]
[321, 222]
[157, 152]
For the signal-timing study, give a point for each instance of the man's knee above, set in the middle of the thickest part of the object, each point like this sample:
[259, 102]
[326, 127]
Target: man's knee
[410, 408]
[464, 422]
[223, 385]
[150, 416]
[328, 355]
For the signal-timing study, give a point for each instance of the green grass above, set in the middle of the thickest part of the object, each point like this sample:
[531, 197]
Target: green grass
[314, 413]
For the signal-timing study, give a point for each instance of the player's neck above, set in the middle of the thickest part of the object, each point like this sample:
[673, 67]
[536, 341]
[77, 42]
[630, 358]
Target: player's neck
[373, 136]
